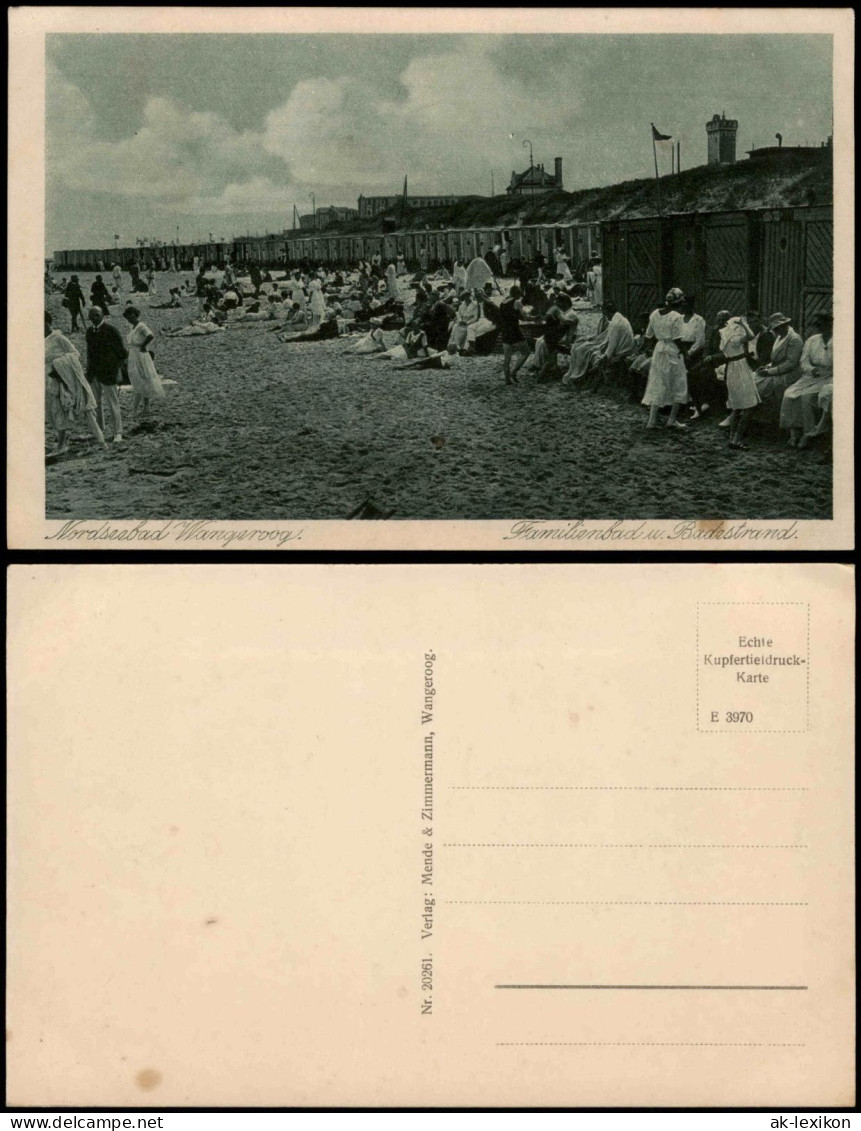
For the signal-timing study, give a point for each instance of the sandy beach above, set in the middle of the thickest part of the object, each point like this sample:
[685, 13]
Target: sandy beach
[258, 429]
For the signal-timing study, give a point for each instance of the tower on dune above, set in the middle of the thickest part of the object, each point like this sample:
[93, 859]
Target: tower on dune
[721, 132]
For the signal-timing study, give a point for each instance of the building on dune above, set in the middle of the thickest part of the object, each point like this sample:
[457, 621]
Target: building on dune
[535, 180]
[371, 206]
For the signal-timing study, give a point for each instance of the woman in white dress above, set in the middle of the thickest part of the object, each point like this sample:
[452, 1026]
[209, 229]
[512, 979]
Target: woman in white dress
[668, 378]
[595, 283]
[297, 292]
[318, 303]
[741, 391]
[562, 267]
[459, 276]
[146, 383]
[392, 282]
[68, 396]
[467, 313]
[798, 411]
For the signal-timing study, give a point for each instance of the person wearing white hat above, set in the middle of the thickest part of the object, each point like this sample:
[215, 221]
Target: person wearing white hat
[782, 370]
[668, 378]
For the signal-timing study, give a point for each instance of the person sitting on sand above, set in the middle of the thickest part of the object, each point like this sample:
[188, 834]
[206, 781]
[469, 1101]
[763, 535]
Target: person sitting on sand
[231, 299]
[327, 330]
[174, 301]
[438, 318]
[253, 313]
[467, 314]
[825, 405]
[449, 359]
[614, 352]
[296, 318]
[783, 367]
[619, 350]
[395, 352]
[577, 294]
[798, 411]
[372, 342]
[198, 327]
[585, 351]
[411, 343]
[559, 323]
[482, 334]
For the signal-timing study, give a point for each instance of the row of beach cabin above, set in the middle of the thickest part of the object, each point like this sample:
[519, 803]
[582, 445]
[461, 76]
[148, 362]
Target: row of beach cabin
[767, 259]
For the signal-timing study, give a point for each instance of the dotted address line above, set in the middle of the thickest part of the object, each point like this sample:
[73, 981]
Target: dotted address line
[653, 1044]
[620, 903]
[482, 844]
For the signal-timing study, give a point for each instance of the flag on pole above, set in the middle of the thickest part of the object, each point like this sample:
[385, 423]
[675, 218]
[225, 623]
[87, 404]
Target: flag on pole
[656, 137]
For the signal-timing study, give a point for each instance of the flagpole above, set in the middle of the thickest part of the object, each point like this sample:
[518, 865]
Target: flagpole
[657, 178]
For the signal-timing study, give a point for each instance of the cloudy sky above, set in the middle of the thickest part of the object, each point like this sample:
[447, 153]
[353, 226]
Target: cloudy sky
[147, 134]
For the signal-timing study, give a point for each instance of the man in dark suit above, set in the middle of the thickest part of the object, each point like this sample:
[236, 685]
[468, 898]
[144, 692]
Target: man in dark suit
[106, 353]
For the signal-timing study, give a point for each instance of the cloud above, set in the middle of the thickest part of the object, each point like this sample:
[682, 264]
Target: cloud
[255, 195]
[453, 122]
[328, 131]
[177, 157]
[461, 112]
[461, 100]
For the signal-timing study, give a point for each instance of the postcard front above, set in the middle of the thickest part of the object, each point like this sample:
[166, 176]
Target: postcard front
[388, 279]
[430, 836]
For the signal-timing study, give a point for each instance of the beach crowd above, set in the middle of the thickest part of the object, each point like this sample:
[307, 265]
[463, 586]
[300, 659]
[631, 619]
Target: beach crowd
[546, 322]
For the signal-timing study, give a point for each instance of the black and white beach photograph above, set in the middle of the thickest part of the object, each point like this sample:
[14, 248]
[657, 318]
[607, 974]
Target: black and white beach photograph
[292, 277]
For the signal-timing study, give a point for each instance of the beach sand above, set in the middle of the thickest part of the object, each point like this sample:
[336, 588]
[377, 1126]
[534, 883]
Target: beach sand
[256, 429]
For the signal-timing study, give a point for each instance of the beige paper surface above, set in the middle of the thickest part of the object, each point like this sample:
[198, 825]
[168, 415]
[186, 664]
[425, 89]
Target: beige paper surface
[28, 526]
[224, 807]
